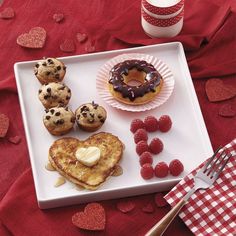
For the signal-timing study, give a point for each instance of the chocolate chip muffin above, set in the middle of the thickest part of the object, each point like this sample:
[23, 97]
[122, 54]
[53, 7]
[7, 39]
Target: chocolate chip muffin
[59, 120]
[90, 116]
[49, 70]
[54, 94]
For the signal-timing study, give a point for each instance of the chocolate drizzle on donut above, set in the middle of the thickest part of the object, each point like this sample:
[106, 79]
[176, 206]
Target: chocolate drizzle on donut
[151, 81]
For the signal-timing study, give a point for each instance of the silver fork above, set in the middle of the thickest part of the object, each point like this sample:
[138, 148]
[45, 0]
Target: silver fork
[204, 178]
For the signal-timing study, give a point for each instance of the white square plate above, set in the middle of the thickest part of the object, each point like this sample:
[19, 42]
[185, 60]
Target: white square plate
[187, 140]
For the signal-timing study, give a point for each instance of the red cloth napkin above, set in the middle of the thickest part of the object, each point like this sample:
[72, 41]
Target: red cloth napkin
[207, 28]
[211, 211]
[102, 21]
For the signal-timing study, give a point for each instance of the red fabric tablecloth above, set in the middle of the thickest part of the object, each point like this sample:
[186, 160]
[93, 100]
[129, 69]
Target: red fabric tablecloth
[209, 41]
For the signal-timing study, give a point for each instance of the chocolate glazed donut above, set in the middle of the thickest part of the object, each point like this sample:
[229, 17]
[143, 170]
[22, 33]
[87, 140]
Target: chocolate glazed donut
[147, 75]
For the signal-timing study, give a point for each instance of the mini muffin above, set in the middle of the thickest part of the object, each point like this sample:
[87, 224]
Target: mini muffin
[49, 70]
[59, 120]
[90, 116]
[54, 94]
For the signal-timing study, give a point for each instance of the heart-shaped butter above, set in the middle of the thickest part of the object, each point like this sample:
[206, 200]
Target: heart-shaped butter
[62, 156]
[88, 156]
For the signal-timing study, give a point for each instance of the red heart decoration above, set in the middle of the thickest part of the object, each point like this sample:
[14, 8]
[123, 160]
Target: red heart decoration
[216, 90]
[15, 139]
[81, 37]
[148, 208]
[34, 39]
[4, 125]
[226, 110]
[125, 206]
[93, 217]
[90, 47]
[67, 46]
[58, 17]
[7, 13]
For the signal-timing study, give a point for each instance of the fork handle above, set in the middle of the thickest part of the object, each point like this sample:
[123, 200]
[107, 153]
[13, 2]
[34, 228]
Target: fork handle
[159, 228]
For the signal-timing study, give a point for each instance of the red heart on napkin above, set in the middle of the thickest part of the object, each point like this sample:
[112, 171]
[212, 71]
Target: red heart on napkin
[226, 110]
[7, 13]
[58, 17]
[216, 90]
[81, 37]
[4, 125]
[67, 46]
[93, 217]
[34, 39]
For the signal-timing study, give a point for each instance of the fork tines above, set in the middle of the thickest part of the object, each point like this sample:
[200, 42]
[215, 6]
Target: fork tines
[216, 163]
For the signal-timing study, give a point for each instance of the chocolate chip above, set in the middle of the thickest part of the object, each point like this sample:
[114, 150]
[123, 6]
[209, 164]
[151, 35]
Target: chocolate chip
[50, 61]
[47, 117]
[36, 72]
[72, 120]
[94, 105]
[57, 76]
[69, 90]
[66, 108]
[37, 65]
[99, 116]
[78, 116]
[52, 111]
[102, 120]
[61, 121]
[64, 67]
[58, 67]
[67, 97]
[48, 73]
[84, 108]
[46, 110]
[91, 114]
[46, 97]
[84, 114]
[40, 90]
[44, 64]
[57, 113]
[49, 90]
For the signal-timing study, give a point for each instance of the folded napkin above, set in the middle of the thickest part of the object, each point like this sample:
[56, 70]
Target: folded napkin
[211, 211]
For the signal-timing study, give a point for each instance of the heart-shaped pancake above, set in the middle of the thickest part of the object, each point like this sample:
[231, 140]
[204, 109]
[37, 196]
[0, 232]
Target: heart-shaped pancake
[62, 157]
[216, 90]
[93, 217]
[34, 39]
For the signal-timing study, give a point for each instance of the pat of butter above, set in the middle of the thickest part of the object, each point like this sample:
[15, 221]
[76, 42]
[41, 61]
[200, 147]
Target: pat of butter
[88, 156]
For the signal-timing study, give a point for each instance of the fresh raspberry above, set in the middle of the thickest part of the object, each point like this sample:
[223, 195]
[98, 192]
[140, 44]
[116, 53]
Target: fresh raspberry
[146, 157]
[156, 146]
[164, 123]
[176, 167]
[139, 135]
[160, 200]
[147, 171]
[151, 123]
[141, 147]
[161, 169]
[136, 124]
